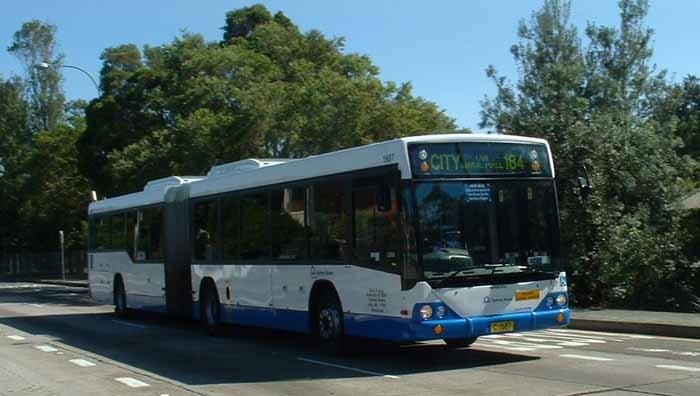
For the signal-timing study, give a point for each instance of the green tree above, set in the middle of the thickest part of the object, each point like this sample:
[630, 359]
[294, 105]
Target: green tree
[624, 246]
[15, 144]
[35, 43]
[266, 90]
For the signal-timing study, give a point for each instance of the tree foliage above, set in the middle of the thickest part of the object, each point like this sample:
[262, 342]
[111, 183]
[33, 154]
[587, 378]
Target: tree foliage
[35, 43]
[624, 245]
[265, 90]
[41, 189]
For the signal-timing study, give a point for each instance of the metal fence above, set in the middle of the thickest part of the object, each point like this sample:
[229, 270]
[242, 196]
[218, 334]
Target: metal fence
[43, 264]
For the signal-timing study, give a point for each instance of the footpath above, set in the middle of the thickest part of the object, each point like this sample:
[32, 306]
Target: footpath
[667, 324]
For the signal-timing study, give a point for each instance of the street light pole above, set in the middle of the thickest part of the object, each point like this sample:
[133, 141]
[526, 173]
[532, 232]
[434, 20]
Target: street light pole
[46, 66]
[63, 263]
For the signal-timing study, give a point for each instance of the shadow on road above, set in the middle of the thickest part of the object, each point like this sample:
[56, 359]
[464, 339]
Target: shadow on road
[179, 350]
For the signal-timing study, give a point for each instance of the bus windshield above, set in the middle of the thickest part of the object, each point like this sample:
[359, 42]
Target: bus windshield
[472, 229]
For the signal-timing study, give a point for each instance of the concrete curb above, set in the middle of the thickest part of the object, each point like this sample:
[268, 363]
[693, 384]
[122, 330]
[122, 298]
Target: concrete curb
[657, 329]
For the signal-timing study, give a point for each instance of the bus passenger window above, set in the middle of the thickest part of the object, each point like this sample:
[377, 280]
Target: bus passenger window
[376, 231]
[230, 227]
[131, 234]
[148, 234]
[254, 241]
[287, 208]
[205, 230]
[100, 232]
[327, 221]
[117, 232]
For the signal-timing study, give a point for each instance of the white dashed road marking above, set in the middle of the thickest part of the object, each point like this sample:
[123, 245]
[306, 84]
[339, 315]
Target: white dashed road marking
[583, 357]
[16, 337]
[347, 368]
[682, 368]
[129, 324]
[134, 383]
[82, 362]
[648, 350]
[600, 333]
[46, 348]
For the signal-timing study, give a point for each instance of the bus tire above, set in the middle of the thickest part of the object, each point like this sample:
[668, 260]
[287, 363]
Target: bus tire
[120, 307]
[327, 321]
[210, 310]
[457, 343]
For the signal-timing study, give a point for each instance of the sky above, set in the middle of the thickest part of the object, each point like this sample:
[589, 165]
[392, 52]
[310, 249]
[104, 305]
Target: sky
[441, 47]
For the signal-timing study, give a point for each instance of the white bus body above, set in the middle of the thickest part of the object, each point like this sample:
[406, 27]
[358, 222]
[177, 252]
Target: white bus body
[502, 281]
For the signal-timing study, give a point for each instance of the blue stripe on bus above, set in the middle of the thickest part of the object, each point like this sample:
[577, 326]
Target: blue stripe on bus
[392, 328]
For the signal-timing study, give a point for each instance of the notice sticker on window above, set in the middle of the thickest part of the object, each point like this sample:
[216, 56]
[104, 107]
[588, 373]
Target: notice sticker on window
[478, 192]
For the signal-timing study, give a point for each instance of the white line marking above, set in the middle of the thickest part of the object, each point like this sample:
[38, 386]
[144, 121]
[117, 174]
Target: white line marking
[46, 348]
[648, 350]
[525, 344]
[557, 340]
[597, 359]
[682, 368]
[519, 349]
[134, 383]
[82, 363]
[16, 337]
[348, 368]
[129, 324]
[643, 337]
[37, 305]
[579, 337]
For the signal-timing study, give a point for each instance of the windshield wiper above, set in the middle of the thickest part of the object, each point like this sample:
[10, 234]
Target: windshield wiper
[440, 282]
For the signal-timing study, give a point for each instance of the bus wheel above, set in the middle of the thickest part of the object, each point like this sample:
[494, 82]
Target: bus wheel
[456, 343]
[211, 310]
[119, 298]
[328, 321]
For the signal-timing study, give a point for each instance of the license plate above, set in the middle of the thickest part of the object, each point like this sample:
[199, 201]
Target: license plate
[522, 295]
[500, 327]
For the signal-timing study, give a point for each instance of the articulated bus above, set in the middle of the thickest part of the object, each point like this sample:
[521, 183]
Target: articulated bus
[431, 237]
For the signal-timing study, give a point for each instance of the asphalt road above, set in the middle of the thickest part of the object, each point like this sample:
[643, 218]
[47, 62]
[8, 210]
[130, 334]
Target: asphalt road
[55, 341]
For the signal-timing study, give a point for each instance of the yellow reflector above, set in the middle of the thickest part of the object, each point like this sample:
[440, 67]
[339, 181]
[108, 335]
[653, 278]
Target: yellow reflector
[438, 329]
[522, 295]
[560, 317]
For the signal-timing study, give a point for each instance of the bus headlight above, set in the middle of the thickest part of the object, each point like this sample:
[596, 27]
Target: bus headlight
[561, 299]
[440, 311]
[550, 301]
[426, 312]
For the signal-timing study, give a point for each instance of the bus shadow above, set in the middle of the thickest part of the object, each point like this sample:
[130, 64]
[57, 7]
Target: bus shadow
[179, 350]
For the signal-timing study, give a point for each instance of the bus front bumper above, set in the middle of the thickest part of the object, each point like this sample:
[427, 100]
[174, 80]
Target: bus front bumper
[485, 325]
[408, 330]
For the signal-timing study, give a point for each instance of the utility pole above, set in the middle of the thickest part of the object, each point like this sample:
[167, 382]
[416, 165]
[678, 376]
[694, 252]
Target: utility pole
[63, 264]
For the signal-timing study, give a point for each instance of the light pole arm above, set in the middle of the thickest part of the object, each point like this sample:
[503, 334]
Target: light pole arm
[44, 66]
[99, 92]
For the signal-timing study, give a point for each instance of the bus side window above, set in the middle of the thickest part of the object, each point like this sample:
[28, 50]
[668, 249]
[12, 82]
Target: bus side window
[287, 208]
[117, 232]
[376, 227]
[254, 240]
[327, 221]
[149, 234]
[205, 230]
[101, 239]
[230, 227]
[131, 234]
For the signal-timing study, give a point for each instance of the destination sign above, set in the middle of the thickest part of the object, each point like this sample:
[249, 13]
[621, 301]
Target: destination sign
[479, 160]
